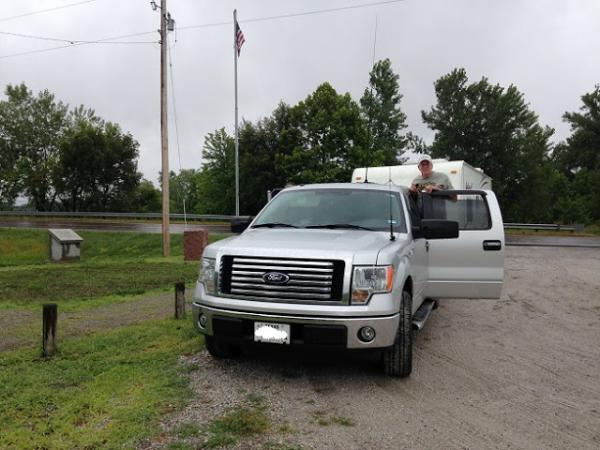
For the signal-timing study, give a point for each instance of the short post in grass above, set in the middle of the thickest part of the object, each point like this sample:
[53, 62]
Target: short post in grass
[50, 317]
[179, 300]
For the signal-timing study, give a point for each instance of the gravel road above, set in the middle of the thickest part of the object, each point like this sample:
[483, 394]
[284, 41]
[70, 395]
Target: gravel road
[521, 372]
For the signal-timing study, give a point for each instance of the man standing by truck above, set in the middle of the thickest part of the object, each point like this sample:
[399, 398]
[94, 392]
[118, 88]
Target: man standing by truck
[429, 180]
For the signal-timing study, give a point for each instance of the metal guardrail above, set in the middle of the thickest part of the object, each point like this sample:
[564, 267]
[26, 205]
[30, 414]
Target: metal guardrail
[227, 218]
[113, 215]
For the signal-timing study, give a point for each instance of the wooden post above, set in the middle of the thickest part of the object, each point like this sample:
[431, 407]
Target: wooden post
[164, 131]
[179, 300]
[50, 316]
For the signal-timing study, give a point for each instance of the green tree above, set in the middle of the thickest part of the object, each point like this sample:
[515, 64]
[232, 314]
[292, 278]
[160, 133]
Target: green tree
[579, 159]
[217, 179]
[493, 128]
[9, 173]
[333, 138]
[184, 187]
[380, 106]
[146, 198]
[30, 129]
[97, 166]
[262, 148]
[583, 146]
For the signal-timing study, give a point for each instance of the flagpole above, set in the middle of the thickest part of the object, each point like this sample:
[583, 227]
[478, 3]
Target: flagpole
[237, 169]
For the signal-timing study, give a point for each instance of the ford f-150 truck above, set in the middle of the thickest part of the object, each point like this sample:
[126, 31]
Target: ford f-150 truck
[348, 266]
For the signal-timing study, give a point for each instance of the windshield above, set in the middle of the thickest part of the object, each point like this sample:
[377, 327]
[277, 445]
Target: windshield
[334, 208]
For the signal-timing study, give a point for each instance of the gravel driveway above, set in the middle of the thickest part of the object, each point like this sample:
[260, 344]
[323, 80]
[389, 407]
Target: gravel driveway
[520, 372]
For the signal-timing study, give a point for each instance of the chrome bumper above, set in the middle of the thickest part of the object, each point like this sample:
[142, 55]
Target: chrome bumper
[385, 326]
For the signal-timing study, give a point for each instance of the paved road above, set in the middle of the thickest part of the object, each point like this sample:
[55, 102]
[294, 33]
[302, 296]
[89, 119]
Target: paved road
[177, 228]
[552, 241]
[103, 225]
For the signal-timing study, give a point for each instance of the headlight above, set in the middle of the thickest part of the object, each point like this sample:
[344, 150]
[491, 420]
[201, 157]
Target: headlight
[208, 275]
[368, 280]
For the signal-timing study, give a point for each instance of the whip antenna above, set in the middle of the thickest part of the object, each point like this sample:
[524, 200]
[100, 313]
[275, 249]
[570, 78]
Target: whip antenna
[373, 66]
[392, 237]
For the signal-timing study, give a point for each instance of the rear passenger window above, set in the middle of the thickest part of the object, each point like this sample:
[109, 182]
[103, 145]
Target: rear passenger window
[470, 211]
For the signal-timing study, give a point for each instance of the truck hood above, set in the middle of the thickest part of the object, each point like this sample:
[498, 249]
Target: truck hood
[358, 246]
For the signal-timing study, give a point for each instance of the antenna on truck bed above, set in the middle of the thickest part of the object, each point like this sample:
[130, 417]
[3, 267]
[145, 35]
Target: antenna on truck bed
[392, 237]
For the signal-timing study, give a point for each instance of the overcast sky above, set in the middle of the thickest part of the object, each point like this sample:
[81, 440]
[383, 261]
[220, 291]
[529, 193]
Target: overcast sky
[549, 49]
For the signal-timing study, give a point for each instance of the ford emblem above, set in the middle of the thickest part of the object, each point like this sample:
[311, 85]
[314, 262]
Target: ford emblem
[275, 278]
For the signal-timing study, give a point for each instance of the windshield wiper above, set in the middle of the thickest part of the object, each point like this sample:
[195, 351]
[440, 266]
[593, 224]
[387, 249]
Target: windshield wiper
[274, 225]
[333, 226]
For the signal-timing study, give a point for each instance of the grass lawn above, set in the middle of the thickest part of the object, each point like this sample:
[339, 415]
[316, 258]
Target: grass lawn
[113, 264]
[107, 390]
[88, 284]
[20, 246]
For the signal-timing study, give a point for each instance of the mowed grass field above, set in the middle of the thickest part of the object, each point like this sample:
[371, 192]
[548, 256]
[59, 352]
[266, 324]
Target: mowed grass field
[109, 385]
[113, 264]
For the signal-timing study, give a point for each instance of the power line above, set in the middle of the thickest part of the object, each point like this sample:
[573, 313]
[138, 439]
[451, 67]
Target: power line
[176, 131]
[286, 16]
[72, 41]
[323, 11]
[41, 11]
[208, 25]
[99, 41]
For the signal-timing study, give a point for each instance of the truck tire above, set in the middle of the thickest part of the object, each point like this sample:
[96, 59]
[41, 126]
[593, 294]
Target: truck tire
[397, 359]
[219, 349]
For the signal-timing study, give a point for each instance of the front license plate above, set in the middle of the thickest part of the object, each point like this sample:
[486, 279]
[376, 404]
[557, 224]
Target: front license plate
[272, 333]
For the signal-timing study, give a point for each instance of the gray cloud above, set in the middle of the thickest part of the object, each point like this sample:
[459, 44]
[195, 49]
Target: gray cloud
[546, 48]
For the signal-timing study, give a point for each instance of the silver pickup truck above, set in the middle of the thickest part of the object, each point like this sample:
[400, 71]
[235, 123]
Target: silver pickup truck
[348, 266]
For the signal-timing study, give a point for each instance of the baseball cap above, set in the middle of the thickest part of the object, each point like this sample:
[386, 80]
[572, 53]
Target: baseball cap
[424, 158]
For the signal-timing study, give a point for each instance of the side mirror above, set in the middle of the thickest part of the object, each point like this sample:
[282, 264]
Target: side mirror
[439, 229]
[239, 224]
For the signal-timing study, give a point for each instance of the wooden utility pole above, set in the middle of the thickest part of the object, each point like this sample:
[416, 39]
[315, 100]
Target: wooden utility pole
[166, 244]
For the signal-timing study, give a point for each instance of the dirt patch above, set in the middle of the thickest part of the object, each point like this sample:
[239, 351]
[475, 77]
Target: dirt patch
[520, 372]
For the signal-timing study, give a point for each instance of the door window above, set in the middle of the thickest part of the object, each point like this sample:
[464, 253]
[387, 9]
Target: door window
[471, 211]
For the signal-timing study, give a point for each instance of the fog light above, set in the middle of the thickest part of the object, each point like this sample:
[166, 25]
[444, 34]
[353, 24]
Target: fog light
[202, 321]
[366, 334]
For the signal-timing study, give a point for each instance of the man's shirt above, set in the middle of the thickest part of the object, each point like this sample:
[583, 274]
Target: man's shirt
[438, 179]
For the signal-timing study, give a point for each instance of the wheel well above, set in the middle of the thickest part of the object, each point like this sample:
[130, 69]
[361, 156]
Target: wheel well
[408, 285]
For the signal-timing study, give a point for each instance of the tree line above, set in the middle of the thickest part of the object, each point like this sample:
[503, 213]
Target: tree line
[61, 158]
[71, 162]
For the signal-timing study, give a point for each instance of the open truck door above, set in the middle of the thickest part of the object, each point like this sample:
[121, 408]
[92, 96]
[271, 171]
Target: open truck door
[472, 265]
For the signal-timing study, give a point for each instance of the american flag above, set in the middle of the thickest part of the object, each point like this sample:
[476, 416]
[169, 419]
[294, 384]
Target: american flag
[239, 38]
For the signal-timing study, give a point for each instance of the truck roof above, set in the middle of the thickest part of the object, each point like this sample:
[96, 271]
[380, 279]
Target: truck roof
[365, 186]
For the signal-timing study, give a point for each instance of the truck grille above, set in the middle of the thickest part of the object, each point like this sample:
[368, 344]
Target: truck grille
[309, 280]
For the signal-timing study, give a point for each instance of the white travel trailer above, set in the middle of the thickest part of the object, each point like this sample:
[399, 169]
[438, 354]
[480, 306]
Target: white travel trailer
[461, 174]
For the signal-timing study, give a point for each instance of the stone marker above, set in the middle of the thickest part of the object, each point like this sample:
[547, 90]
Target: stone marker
[65, 244]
